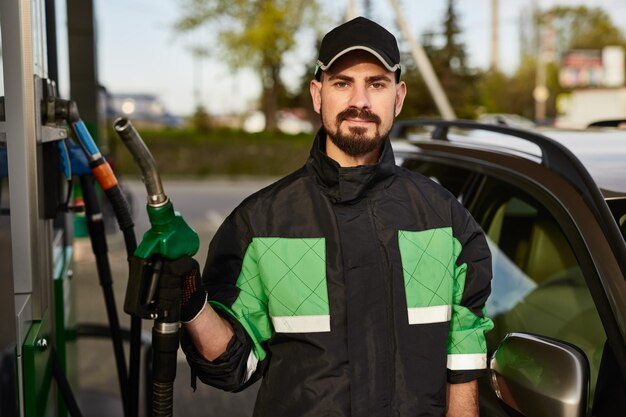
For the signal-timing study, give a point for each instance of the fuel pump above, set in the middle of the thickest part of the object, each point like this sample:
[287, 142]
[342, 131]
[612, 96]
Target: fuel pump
[37, 164]
[90, 166]
[149, 294]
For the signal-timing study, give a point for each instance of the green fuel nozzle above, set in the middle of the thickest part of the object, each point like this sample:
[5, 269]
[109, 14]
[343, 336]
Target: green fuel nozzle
[169, 237]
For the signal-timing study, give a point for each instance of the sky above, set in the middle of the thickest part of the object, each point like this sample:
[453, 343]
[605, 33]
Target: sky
[139, 52]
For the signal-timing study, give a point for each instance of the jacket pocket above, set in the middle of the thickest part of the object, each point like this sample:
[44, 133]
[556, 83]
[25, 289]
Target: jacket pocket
[428, 263]
[293, 271]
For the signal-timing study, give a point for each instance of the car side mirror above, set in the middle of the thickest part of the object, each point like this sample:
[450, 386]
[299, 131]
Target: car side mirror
[538, 376]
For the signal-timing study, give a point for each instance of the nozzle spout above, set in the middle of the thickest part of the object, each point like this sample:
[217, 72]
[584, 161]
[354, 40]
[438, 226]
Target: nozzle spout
[143, 157]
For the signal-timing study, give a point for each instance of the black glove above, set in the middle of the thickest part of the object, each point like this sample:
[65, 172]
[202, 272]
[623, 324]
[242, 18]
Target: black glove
[192, 295]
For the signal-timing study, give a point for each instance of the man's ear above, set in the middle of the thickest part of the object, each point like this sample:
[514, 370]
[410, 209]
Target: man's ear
[316, 94]
[400, 95]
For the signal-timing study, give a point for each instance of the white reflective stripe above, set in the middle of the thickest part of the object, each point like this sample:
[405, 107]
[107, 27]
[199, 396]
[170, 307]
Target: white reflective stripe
[459, 362]
[250, 366]
[433, 314]
[301, 324]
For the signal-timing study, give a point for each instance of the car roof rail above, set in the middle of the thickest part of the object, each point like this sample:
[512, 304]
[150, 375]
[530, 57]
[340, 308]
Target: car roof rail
[608, 123]
[553, 154]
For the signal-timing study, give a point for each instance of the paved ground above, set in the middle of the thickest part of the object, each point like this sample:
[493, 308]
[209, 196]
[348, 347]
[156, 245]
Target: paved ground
[96, 365]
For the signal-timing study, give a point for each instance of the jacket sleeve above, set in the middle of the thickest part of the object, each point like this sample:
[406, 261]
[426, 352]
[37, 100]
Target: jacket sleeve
[467, 348]
[232, 281]
[233, 370]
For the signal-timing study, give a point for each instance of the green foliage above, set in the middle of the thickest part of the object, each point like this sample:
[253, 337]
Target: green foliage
[201, 120]
[449, 63]
[520, 89]
[257, 33]
[217, 152]
[453, 53]
[582, 28]
[494, 97]
[252, 33]
[500, 93]
[418, 101]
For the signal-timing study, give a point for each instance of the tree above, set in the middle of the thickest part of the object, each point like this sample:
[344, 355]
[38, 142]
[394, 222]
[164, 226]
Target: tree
[582, 28]
[449, 63]
[574, 28]
[254, 34]
[493, 90]
[453, 53]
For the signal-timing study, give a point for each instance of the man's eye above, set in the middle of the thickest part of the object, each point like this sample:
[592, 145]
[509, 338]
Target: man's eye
[377, 85]
[341, 84]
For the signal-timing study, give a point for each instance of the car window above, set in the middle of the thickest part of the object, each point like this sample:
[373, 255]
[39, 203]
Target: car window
[538, 285]
[454, 179]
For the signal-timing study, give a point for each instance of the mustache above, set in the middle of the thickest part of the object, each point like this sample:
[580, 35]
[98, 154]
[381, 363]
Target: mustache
[354, 113]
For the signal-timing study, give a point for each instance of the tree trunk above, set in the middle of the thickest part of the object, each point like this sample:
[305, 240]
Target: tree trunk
[271, 82]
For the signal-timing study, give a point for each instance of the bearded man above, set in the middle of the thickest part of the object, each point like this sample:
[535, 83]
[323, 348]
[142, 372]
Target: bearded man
[353, 287]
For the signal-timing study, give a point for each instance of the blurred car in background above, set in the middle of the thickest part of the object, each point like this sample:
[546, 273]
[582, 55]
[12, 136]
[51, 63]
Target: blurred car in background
[553, 206]
[290, 121]
[145, 110]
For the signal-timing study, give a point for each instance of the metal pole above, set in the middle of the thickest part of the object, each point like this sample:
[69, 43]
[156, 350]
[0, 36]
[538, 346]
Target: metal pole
[424, 66]
[351, 10]
[495, 36]
[81, 33]
[541, 92]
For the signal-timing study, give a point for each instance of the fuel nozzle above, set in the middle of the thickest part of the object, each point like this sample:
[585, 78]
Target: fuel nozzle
[169, 236]
[143, 157]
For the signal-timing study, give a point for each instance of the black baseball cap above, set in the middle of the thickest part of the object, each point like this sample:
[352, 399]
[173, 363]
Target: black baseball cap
[359, 33]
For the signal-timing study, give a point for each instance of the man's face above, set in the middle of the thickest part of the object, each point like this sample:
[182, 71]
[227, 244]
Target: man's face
[358, 99]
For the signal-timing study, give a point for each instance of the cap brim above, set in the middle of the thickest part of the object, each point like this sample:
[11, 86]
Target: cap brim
[377, 54]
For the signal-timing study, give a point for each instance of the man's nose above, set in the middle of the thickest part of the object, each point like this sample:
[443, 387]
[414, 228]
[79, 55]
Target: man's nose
[360, 97]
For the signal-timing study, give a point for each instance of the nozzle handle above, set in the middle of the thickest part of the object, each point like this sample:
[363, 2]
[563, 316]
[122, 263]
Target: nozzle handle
[143, 157]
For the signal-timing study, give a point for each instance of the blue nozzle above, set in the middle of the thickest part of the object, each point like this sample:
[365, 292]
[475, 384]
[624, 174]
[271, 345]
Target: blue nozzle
[86, 140]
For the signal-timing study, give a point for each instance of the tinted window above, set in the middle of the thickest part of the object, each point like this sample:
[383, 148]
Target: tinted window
[538, 285]
[454, 179]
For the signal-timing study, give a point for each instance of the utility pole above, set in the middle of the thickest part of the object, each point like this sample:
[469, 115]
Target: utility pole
[424, 66]
[367, 9]
[351, 10]
[545, 55]
[495, 36]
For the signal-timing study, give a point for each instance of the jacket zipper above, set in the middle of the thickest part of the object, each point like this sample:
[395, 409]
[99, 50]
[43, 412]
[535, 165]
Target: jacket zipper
[391, 310]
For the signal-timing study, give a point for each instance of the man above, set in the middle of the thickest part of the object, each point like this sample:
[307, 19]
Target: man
[352, 286]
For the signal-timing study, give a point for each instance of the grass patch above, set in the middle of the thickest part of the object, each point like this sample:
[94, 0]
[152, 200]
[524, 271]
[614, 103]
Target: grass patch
[221, 152]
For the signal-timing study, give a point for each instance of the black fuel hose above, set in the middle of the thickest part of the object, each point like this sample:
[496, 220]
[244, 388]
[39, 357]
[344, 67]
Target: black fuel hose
[125, 222]
[97, 235]
[103, 173]
[63, 385]
[68, 110]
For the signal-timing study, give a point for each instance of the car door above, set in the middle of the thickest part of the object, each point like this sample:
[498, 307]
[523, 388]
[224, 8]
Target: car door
[541, 269]
[538, 284]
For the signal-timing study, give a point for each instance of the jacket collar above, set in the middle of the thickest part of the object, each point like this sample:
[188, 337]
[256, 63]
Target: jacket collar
[345, 184]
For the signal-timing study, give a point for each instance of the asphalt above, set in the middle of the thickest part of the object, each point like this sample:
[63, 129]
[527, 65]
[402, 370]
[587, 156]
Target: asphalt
[99, 391]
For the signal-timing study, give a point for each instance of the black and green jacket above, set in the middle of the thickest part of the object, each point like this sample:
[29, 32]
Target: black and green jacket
[353, 292]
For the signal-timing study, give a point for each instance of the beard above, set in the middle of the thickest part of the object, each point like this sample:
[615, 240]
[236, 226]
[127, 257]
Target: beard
[356, 142]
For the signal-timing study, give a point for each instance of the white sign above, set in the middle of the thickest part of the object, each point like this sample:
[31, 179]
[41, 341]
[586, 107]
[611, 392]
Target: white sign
[613, 63]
